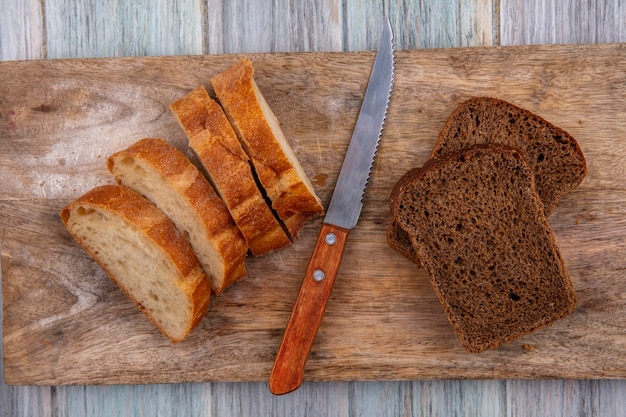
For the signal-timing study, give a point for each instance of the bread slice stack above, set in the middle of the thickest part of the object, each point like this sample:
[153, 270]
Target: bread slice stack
[475, 216]
[248, 159]
[554, 156]
[168, 235]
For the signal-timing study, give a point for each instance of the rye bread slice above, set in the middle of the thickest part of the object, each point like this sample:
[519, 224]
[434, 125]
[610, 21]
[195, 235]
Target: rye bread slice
[554, 156]
[480, 230]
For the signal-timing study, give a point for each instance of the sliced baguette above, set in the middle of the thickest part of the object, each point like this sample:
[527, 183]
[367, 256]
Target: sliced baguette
[144, 253]
[554, 156]
[161, 173]
[277, 167]
[480, 230]
[214, 141]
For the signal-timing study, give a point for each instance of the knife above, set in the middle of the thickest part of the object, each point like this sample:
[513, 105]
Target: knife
[342, 216]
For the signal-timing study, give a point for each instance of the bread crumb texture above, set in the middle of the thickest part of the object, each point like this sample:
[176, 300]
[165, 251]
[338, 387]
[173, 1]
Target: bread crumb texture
[480, 230]
[141, 250]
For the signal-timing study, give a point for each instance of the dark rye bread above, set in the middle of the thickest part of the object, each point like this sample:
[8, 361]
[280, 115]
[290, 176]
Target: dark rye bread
[479, 229]
[553, 155]
[556, 160]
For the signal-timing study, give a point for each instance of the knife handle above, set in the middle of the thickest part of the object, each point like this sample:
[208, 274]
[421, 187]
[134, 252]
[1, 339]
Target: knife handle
[308, 310]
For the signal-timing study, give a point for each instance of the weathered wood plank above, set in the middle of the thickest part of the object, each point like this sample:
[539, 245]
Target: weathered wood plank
[566, 398]
[380, 399]
[574, 21]
[113, 29]
[24, 401]
[134, 400]
[255, 399]
[21, 30]
[283, 26]
[429, 398]
[479, 398]
[423, 24]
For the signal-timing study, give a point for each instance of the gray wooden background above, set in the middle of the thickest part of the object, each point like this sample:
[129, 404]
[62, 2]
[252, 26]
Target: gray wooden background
[49, 29]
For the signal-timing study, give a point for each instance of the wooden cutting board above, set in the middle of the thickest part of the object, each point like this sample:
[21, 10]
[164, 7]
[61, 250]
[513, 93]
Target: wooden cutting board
[66, 323]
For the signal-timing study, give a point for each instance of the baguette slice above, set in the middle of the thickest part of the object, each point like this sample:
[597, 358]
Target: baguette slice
[276, 165]
[554, 156]
[161, 173]
[480, 230]
[142, 251]
[214, 141]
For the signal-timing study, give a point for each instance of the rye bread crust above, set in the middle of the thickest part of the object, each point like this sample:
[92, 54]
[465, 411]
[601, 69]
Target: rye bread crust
[554, 156]
[480, 230]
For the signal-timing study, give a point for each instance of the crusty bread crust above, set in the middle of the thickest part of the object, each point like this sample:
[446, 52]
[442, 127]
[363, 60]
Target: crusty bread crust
[277, 167]
[141, 216]
[214, 141]
[479, 228]
[217, 241]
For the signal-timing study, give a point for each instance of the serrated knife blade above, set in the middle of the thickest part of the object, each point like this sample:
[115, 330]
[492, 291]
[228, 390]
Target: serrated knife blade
[346, 202]
[342, 216]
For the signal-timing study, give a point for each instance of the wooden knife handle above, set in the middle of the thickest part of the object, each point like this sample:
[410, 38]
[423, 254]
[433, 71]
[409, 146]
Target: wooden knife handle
[308, 310]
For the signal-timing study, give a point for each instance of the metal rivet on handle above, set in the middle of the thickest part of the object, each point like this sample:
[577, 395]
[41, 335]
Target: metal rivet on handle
[318, 275]
[330, 239]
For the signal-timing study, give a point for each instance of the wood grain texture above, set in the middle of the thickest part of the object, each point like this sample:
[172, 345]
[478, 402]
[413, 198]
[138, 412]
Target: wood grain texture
[282, 26]
[26, 401]
[471, 398]
[110, 28]
[308, 310]
[382, 307]
[575, 21]
[21, 30]
[596, 398]
[253, 399]
[134, 400]
[566, 398]
[423, 24]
